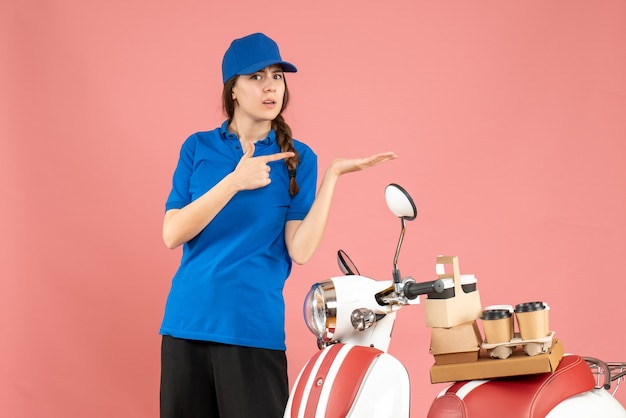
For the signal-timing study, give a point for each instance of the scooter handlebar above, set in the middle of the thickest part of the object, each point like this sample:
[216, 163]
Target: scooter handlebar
[413, 289]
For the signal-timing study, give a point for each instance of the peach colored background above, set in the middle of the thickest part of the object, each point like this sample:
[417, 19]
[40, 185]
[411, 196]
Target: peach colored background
[509, 119]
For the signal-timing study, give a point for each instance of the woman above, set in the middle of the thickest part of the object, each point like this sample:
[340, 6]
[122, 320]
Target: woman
[243, 205]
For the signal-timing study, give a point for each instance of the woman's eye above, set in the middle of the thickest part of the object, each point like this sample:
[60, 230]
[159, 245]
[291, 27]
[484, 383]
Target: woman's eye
[278, 76]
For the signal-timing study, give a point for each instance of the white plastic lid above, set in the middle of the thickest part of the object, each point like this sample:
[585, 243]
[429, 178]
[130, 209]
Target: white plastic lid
[468, 279]
[499, 307]
[465, 279]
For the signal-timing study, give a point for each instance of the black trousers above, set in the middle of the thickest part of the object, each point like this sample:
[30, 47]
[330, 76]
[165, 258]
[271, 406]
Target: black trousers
[201, 379]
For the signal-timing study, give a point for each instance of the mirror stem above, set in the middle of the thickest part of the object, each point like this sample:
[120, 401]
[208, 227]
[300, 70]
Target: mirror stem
[397, 278]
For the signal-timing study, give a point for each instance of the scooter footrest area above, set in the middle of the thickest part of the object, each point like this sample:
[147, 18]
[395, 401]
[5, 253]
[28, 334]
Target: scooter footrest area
[530, 396]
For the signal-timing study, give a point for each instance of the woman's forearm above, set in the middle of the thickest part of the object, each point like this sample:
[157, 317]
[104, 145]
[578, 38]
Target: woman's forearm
[303, 238]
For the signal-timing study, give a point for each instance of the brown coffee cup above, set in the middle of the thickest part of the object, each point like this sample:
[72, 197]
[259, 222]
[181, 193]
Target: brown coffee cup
[497, 325]
[532, 320]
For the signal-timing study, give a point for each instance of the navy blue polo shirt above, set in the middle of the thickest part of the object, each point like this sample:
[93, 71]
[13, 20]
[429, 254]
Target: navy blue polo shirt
[229, 285]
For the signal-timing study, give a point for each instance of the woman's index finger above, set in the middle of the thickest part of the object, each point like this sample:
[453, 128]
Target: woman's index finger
[278, 156]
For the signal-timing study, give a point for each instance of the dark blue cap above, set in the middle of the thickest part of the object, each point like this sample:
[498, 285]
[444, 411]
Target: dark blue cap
[252, 53]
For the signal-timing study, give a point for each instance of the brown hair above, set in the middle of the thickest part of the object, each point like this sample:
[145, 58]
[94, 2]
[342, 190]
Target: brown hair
[284, 136]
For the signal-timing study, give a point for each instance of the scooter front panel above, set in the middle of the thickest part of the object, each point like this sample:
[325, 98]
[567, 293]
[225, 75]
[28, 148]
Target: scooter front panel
[302, 386]
[333, 383]
[349, 379]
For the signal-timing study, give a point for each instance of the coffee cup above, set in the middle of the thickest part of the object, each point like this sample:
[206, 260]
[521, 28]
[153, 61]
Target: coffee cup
[497, 324]
[532, 320]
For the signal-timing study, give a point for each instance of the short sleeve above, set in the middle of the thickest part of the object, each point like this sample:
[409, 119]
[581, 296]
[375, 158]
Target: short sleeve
[180, 195]
[306, 177]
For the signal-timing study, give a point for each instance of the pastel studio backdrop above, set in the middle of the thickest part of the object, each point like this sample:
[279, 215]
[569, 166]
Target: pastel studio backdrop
[509, 119]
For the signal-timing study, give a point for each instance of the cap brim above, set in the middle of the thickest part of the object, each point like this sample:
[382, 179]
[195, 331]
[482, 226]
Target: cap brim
[287, 67]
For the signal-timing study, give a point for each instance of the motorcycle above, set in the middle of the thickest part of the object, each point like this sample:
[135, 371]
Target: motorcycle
[353, 375]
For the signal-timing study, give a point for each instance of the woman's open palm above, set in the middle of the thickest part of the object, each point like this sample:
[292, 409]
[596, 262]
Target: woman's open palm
[349, 165]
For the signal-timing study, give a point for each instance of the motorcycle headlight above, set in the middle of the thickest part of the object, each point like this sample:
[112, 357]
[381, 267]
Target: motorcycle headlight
[320, 310]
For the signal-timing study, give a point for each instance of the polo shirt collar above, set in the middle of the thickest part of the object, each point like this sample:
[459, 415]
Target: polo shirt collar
[225, 134]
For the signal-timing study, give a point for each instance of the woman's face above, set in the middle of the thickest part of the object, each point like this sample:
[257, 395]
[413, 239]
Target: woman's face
[259, 96]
